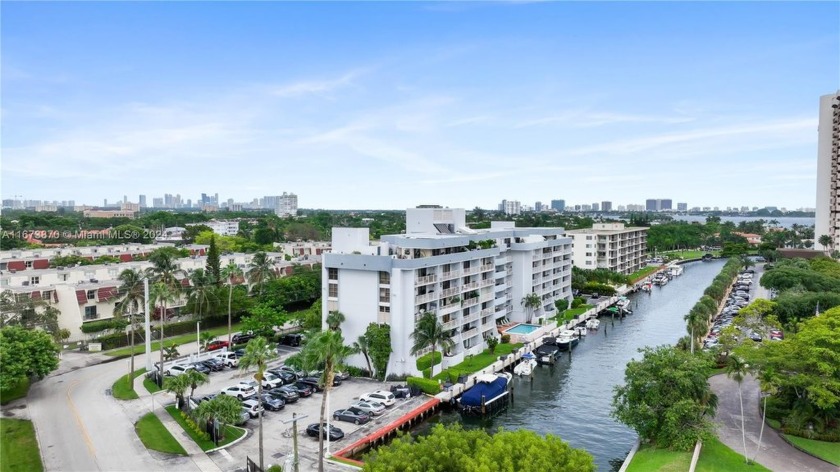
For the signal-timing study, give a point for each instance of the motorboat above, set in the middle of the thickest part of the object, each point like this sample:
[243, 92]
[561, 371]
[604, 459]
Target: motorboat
[623, 303]
[580, 330]
[526, 367]
[548, 352]
[567, 339]
[676, 270]
[489, 394]
[593, 324]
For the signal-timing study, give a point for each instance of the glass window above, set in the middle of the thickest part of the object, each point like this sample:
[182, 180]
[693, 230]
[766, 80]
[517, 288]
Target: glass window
[333, 290]
[90, 312]
[91, 294]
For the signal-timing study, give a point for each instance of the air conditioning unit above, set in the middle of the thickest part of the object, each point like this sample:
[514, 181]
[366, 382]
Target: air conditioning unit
[25, 283]
[93, 281]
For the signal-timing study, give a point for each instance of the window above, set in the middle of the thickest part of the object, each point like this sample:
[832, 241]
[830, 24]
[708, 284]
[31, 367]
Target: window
[90, 274]
[90, 312]
[34, 280]
[588, 262]
[62, 277]
[333, 290]
[28, 264]
[384, 295]
[332, 274]
[112, 271]
[47, 295]
[384, 277]
[4, 282]
[385, 309]
[91, 294]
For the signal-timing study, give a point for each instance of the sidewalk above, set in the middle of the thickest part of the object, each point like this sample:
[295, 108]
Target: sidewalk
[199, 457]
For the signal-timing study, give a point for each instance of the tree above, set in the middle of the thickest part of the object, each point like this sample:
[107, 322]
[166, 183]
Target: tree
[21, 310]
[222, 408]
[205, 339]
[25, 353]
[194, 379]
[454, 449]
[531, 302]
[379, 347]
[736, 369]
[747, 262]
[334, 320]
[666, 397]
[362, 346]
[133, 301]
[325, 349]
[164, 268]
[177, 385]
[429, 333]
[261, 271]
[214, 268]
[201, 291]
[231, 273]
[257, 355]
[826, 242]
[262, 319]
[162, 295]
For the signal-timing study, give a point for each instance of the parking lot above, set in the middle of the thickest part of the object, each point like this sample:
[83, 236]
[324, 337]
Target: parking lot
[277, 436]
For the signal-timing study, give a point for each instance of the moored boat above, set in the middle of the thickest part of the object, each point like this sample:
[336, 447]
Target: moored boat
[488, 395]
[548, 352]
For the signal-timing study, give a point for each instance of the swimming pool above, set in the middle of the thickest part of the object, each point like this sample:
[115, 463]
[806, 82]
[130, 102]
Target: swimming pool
[522, 328]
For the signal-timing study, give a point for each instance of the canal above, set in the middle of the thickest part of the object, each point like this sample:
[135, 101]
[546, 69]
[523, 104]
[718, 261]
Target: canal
[572, 398]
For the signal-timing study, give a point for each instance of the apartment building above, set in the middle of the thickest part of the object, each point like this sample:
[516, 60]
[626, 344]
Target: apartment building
[827, 221]
[610, 246]
[303, 249]
[221, 227]
[472, 280]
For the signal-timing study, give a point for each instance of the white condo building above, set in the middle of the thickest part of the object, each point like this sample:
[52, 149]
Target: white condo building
[610, 246]
[472, 280]
[828, 171]
[287, 205]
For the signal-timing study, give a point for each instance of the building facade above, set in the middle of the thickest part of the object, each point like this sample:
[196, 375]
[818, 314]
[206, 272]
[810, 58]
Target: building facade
[610, 246]
[472, 280]
[827, 221]
[510, 207]
[558, 205]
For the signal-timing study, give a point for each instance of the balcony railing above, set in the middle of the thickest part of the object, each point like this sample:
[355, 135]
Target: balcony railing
[470, 270]
[450, 275]
[426, 297]
[486, 282]
[488, 267]
[469, 333]
[451, 324]
[470, 318]
[452, 291]
[426, 279]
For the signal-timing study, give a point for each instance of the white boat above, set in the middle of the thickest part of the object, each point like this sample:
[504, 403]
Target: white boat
[593, 324]
[580, 330]
[623, 303]
[526, 367]
[676, 270]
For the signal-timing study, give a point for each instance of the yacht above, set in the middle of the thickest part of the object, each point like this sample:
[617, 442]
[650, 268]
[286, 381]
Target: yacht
[548, 352]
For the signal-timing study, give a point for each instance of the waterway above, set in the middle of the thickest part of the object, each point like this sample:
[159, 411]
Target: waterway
[783, 221]
[572, 398]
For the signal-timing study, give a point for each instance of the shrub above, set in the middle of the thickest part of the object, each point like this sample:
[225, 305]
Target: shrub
[505, 339]
[97, 326]
[595, 287]
[492, 342]
[578, 301]
[424, 362]
[429, 386]
[275, 467]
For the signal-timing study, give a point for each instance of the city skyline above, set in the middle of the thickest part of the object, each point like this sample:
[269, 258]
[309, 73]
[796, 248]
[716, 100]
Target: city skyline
[417, 102]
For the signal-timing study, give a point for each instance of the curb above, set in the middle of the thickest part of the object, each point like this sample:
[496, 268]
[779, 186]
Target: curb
[785, 439]
[230, 443]
[629, 457]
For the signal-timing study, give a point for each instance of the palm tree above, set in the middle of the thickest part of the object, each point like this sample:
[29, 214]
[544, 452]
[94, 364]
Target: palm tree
[161, 295]
[334, 320]
[201, 290]
[698, 323]
[194, 379]
[223, 408]
[736, 369]
[363, 346]
[133, 298]
[325, 349]
[746, 262]
[230, 273]
[261, 271]
[430, 333]
[825, 241]
[177, 385]
[531, 302]
[164, 269]
[257, 355]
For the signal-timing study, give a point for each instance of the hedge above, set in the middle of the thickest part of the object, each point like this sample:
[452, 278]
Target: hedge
[97, 326]
[429, 386]
[113, 341]
[601, 289]
[424, 362]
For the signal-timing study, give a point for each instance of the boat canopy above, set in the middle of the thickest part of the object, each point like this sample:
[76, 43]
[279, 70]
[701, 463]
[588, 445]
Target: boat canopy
[489, 391]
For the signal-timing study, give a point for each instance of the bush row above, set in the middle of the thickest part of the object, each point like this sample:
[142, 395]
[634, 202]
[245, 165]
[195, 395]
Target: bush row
[102, 325]
[599, 288]
[113, 341]
[198, 430]
[424, 362]
[707, 307]
[429, 386]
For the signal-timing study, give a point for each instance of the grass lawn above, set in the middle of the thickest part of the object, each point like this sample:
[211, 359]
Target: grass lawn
[827, 451]
[231, 434]
[18, 447]
[478, 362]
[150, 385]
[171, 341]
[570, 314]
[717, 370]
[650, 459]
[123, 388]
[716, 456]
[155, 436]
[642, 273]
[18, 391]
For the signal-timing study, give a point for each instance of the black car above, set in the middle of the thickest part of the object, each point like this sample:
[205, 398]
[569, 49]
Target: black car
[288, 394]
[201, 367]
[242, 338]
[285, 375]
[302, 388]
[313, 382]
[272, 403]
[206, 398]
[315, 429]
[292, 339]
[352, 415]
[239, 353]
[214, 364]
[401, 391]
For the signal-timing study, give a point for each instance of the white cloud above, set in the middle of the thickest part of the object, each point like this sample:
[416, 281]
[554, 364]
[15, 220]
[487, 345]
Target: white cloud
[310, 87]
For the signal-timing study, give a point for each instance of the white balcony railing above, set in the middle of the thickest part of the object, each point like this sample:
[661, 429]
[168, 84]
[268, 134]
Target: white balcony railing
[427, 279]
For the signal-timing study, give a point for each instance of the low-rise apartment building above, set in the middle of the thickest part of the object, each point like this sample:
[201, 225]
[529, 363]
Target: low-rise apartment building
[610, 246]
[472, 280]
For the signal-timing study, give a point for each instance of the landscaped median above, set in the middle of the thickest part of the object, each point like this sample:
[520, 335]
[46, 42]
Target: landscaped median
[123, 388]
[714, 457]
[201, 438]
[19, 447]
[470, 366]
[827, 451]
[19, 390]
[156, 437]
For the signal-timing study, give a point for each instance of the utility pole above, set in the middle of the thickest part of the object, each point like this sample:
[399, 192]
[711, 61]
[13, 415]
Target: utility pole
[294, 421]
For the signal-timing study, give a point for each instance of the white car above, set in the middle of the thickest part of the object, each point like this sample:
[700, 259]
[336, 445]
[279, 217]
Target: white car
[382, 396]
[240, 391]
[177, 369]
[228, 358]
[373, 408]
[271, 381]
[252, 407]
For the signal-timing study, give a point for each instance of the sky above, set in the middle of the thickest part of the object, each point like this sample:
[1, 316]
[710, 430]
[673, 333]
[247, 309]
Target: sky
[391, 105]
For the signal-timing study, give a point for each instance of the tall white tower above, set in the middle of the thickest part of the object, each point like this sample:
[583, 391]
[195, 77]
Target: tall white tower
[828, 171]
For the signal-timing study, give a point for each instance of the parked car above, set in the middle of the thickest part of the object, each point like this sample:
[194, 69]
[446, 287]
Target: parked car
[288, 394]
[228, 358]
[303, 389]
[342, 375]
[206, 398]
[373, 408]
[214, 364]
[199, 366]
[271, 403]
[286, 376]
[755, 336]
[352, 415]
[294, 339]
[272, 381]
[252, 407]
[244, 416]
[315, 429]
[242, 338]
[313, 382]
[216, 345]
[382, 396]
[240, 391]
[401, 391]
[177, 369]
[239, 353]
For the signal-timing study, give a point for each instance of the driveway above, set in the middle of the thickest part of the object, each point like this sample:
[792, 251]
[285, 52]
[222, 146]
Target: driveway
[775, 453]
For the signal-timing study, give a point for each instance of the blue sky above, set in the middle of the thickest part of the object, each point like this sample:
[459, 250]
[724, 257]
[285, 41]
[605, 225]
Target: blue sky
[391, 105]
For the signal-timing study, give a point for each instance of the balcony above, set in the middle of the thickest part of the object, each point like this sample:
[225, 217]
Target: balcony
[469, 333]
[470, 286]
[426, 279]
[486, 282]
[449, 309]
[426, 297]
[450, 275]
[470, 270]
[450, 292]
[451, 324]
[486, 297]
[488, 267]
[470, 318]
[468, 302]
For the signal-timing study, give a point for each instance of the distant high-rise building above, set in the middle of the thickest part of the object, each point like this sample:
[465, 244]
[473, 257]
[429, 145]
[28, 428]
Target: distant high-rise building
[287, 205]
[157, 202]
[596, 206]
[125, 199]
[105, 202]
[142, 201]
[665, 204]
[510, 207]
[538, 206]
[558, 205]
[828, 171]
[682, 206]
[651, 204]
[606, 206]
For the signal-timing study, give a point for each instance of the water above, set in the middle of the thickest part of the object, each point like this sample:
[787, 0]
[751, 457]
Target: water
[784, 221]
[572, 399]
[522, 328]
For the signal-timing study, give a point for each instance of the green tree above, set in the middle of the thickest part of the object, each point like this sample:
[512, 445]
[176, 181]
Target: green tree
[195, 378]
[257, 355]
[131, 304]
[201, 293]
[666, 397]
[736, 369]
[214, 265]
[325, 349]
[379, 347]
[177, 385]
[25, 353]
[826, 241]
[429, 333]
[162, 295]
[362, 346]
[231, 274]
[747, 262]
[334, 320]
[222, 408]
[531, 302]
[260, 271]
[263, 319]
[454, 449]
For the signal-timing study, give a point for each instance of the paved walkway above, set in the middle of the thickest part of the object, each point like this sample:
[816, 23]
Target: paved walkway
[775, 453]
